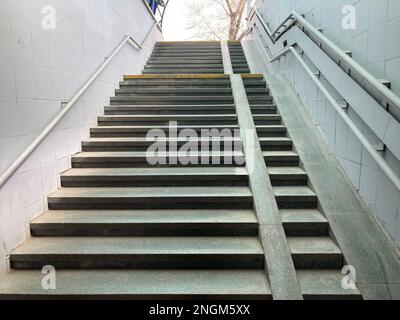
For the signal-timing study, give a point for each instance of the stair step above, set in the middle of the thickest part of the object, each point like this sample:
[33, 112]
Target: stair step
[184, 71]
[178, 83]
[304, 223]
[183, 55]
[315, 253]
[140, 284]
[267, 119]
[168, 177]
[164, 159]
[325, 285]
[158, 66]
[271, 131]
[260, 99]
[140, 131]
[254, 91]
[193, 119]
[182, 62]
[264, 109]
[276, 143]
[137, 223]
[287, 176]
[281, 158]
[169, 57]
[139, 253]
[166, 109]
[151, 198]
[174, 91]
[295, 197]
[248, 83]
[143, 144]
[173, 100]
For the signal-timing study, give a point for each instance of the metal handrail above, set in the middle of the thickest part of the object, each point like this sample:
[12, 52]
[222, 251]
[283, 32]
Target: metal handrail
[357, 132]
[5, 176]
[386, 94]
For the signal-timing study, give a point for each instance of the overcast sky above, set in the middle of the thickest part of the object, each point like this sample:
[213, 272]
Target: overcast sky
[174, 26]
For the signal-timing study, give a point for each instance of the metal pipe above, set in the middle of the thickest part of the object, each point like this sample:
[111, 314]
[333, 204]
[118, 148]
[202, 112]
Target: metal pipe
[5, 176]
[389, 96]
[363, 140]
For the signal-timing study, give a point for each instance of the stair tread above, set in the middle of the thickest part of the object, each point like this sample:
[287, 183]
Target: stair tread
[155, 172]
[136, 283]
[148, 139]
[126, 154]
[279, 153]
[150, 192]
[287, 191]
[302, 216]
[324, 284]
[138, 245]
[146, 217]
[286, 171]
[148, 127]
[168, 116]
[313, 245]
[261, 139]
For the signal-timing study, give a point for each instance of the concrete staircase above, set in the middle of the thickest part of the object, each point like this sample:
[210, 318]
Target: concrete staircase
[120, 227]
[238, 58]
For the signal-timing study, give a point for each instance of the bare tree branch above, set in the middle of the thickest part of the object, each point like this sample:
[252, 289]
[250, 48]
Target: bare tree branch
[223, 6]
[216, 19]
[229, 6]
[239, 17]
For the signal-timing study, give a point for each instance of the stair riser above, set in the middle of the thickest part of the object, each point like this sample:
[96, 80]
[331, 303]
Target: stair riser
[267, 122]
[260, 99]
[183, 63]
[104, 132]
[143, 163]
[137, 261]
[178, 83]
[281, 181]
[317, 261]
[166, 123]
[271, 134]
[184, 71]
[184, 92]
[188, 181]
[275, 147]
[174, 55]
[148, 230]
[306, 229]
[297, 202]
[188, 50]
[170, 101]
[150, 203]
[167, 111]
[93, 147]
[261, 110]
[282, 161]
[153, 66]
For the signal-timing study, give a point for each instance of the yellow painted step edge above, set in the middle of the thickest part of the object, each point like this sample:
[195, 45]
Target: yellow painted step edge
[252, 75]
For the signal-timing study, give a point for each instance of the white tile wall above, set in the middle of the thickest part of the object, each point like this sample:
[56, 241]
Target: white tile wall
[39, 69]
[375, 44]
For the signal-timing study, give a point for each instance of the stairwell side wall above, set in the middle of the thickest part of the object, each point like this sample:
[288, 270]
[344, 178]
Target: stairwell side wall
[374, 47]
[41, 66]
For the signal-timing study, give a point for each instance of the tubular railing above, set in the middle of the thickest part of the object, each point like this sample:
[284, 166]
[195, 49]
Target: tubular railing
[328, 46]
[5, 176]
[385, 92]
